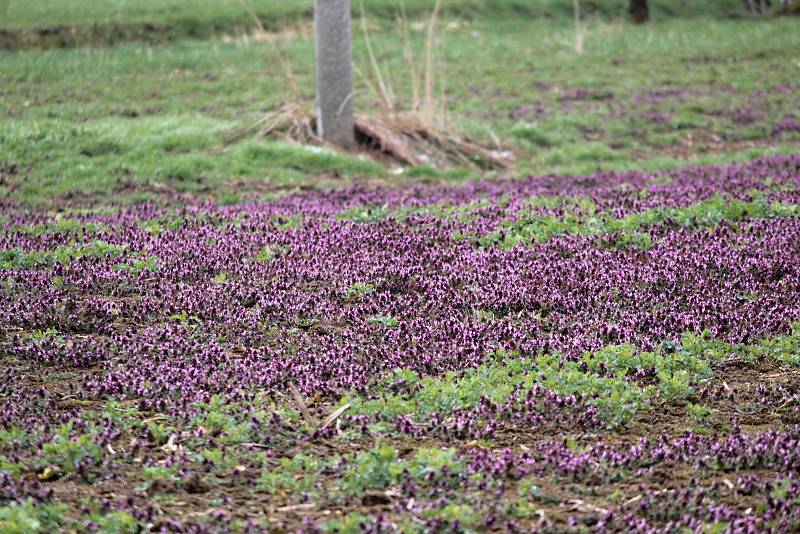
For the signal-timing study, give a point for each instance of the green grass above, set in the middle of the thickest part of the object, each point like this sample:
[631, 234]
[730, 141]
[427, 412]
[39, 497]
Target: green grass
[200, 17]
[127, 123]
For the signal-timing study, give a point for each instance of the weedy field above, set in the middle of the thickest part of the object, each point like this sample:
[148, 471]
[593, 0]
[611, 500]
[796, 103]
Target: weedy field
[133, 122]
[204, 332]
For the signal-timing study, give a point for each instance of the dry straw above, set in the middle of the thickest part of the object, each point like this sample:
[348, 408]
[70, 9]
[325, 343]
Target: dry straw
[420, 133]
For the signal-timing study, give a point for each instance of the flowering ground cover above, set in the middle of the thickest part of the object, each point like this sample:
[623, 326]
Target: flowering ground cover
[607, 352]
[196, 335]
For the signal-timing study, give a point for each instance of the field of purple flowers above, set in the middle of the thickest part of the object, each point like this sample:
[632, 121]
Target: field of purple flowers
[614, 352]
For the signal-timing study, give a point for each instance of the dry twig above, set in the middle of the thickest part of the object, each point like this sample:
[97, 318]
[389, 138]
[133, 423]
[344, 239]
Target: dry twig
[334, 416]
[301, 404]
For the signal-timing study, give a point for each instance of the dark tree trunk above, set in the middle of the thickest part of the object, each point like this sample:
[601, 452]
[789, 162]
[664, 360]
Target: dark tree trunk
[639, 11]
[757, 6]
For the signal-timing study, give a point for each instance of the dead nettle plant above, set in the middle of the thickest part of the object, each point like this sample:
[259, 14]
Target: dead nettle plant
[412, 131]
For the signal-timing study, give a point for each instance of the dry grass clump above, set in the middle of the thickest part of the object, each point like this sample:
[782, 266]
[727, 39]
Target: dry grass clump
[416, 134]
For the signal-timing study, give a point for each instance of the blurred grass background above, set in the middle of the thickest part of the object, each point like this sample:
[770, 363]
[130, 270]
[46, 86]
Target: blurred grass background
[202, 17]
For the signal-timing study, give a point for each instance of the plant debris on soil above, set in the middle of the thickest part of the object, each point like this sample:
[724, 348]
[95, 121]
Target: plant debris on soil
[604, 353]
[401, 138]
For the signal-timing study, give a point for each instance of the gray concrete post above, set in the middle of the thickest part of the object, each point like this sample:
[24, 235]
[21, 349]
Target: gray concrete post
[334, 47]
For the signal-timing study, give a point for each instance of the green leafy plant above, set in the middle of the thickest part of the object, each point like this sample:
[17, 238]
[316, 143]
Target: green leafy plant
[460, 517]
[158, 226]
[63, 225]
[287, 222]
[64, 454]
[123, 416]
[381, 467]
[604, 378]
[217, 457]
[139, 265]
[366, 214]
[41, 335]
[617, 398]
[377, 468]
[359, 289]
[30, 518]
[483, 316]
[159, 432]
[157, 474]
[385, 321]
[352, 523]
[292, 476]
[579, 217]
[183, 317]
[675, 384]
[270, 252]
[116, 523]
[221, 420]
[784, 349]
[16, 258]
[699, 413]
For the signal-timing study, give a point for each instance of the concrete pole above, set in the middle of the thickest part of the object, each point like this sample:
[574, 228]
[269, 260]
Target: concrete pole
[335, 122]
